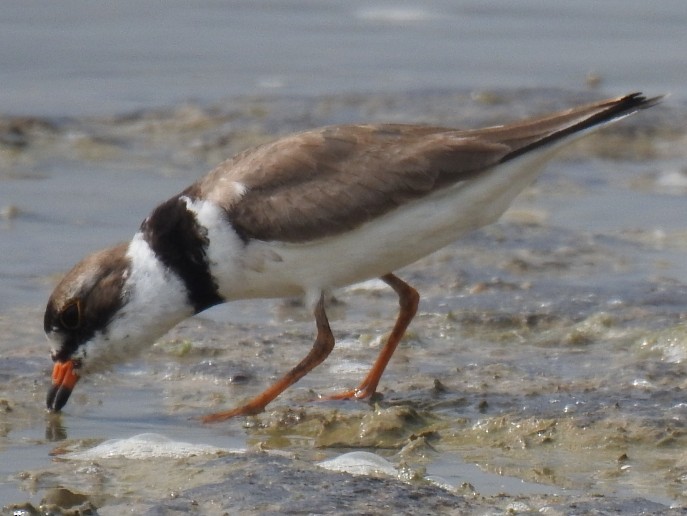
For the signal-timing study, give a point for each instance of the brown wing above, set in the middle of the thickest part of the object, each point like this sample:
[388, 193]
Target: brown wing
[528, 134]
[318, 183]
[322, 182]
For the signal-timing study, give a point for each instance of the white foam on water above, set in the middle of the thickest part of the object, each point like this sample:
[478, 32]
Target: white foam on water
[146, 446]
[360, 463]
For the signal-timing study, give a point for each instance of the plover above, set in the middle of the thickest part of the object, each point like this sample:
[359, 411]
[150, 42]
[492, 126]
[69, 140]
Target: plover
[303, 215]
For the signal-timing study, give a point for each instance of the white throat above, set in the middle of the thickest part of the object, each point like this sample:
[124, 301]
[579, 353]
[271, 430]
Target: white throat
[155, 300]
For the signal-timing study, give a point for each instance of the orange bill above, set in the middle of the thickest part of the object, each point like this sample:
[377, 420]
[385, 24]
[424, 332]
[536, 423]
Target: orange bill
[64, 378]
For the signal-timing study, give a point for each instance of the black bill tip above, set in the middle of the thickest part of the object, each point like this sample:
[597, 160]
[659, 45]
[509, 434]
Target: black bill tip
[58, 395]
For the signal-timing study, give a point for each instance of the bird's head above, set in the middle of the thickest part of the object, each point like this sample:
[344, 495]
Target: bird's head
[105, 310]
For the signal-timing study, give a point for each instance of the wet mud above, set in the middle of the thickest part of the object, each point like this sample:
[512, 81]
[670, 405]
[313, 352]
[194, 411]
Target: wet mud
[544, 373]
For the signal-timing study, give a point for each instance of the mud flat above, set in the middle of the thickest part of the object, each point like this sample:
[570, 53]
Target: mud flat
[545, 371]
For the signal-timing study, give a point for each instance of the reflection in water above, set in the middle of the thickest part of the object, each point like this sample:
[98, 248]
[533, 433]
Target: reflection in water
[54, 429]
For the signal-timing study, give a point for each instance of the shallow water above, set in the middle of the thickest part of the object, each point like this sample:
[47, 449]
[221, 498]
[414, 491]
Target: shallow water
[73, 59]
[545, 368]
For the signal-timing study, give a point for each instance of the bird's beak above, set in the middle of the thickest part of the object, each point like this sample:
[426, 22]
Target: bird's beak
[64, 378]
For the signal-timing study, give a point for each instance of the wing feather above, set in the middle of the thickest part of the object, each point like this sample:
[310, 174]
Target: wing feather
[321, 182]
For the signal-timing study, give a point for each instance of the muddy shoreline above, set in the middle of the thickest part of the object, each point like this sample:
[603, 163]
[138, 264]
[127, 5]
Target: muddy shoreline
[549, 349]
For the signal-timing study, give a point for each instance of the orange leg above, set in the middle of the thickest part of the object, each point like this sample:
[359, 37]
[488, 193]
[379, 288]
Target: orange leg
[408, 299]
[324, 343]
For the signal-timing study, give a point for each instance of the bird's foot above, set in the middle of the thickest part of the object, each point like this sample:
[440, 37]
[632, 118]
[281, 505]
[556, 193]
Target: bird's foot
[249, 409]
[359, 393]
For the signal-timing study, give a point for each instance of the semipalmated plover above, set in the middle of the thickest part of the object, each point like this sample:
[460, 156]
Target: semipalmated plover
[304, 214]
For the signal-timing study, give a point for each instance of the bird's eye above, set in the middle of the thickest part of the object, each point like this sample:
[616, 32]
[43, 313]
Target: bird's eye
[70, 317]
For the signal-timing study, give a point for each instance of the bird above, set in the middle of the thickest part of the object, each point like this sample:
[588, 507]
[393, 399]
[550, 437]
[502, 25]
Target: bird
[302, 216]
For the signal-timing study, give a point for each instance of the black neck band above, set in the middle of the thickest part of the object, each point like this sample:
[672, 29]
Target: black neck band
[180, 243]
